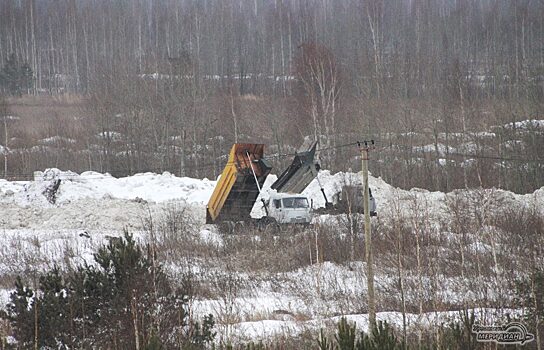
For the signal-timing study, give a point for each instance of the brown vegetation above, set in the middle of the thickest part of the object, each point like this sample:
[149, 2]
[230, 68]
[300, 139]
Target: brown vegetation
[173, 85]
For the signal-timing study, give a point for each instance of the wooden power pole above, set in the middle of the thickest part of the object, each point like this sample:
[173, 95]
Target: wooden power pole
[365, 147]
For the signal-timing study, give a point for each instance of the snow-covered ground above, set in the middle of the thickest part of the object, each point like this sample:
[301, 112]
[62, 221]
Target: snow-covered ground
[89, 208]
[265, 329]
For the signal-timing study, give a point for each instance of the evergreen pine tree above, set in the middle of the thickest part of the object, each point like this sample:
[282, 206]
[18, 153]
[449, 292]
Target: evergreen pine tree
[121, 300]
[14, 78]
[26, 76]
[20, 313]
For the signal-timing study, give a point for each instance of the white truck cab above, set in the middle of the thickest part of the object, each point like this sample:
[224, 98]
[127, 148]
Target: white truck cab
[289, 208]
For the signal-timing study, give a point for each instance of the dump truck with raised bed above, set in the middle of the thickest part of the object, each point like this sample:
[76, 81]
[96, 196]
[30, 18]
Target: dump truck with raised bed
[244, 175]
[242, 179]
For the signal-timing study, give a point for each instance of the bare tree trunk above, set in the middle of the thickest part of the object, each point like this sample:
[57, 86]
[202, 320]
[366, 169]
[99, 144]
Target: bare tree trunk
[33, 41]
[537, 319]
[134, 312]
[72, 26]
[351, 228]
[234, 116]
[463, 121]
[318, 265]
[374, 30]
[36, 323]
[282, 53]
[400, 268]
[87, 62]
[416, 226]
[290, 44]
[437, 152]
[182, 155]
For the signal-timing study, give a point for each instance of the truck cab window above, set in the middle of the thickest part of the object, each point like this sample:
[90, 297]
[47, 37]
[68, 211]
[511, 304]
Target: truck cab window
[298, 202]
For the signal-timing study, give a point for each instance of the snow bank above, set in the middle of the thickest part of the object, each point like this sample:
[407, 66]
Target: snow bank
[266, 329]
[150, 187]
[93, 200]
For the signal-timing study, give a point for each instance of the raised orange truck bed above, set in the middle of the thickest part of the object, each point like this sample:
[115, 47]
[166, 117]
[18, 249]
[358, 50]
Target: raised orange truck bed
[236, 191]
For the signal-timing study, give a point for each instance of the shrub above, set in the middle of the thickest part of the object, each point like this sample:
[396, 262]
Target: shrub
[124, 300]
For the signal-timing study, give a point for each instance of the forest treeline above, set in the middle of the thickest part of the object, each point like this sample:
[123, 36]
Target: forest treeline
[170, 85]
[403, 47]
[398, 48]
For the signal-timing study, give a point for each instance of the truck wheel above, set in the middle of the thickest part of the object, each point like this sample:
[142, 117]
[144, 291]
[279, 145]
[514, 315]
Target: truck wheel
[266, 223]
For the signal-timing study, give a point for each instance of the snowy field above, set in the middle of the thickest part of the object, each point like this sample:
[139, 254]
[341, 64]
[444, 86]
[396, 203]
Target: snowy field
[88, 209]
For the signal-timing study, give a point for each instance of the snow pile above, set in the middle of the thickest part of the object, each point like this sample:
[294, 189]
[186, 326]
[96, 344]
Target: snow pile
[333, 183]
[94, 200]
[92, 185]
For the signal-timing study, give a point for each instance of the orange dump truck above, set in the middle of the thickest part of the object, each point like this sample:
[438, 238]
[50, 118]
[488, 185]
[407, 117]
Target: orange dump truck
[237, 189]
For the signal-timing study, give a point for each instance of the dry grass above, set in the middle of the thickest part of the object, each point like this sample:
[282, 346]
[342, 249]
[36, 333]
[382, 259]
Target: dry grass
[39, 113]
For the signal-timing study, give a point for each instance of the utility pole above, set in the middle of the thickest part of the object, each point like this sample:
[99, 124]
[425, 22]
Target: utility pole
[365, 147]
[5, 147]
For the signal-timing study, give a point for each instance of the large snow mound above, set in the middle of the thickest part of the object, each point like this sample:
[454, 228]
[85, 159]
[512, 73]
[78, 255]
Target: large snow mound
[150, 187]
[92, 200]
